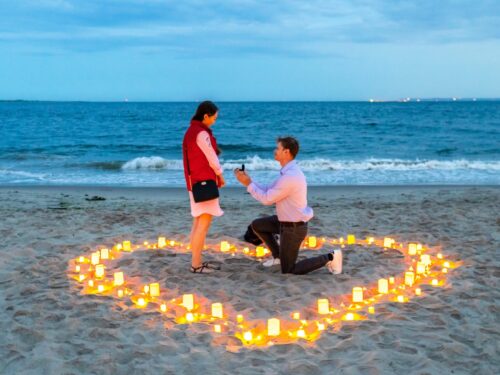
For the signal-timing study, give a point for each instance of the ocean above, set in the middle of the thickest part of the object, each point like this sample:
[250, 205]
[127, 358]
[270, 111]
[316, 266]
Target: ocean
[341, 143]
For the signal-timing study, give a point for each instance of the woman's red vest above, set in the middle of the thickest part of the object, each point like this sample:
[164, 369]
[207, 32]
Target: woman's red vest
[198, 162]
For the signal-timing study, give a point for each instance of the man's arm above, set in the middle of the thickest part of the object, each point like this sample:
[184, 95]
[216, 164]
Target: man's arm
[273, 194]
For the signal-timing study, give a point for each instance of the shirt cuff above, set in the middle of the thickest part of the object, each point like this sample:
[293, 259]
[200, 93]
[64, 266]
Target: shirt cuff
[250, 187]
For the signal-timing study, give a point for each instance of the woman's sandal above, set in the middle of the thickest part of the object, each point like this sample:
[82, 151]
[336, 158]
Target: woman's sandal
[201, 269]
[213, 266]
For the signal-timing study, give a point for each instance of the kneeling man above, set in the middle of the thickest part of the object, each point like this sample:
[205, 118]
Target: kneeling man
[289, 193]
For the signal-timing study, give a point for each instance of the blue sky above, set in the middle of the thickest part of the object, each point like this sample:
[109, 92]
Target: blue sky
[248, 50]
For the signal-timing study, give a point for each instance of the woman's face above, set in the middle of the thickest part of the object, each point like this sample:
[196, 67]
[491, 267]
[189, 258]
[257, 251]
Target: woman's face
[210, 120]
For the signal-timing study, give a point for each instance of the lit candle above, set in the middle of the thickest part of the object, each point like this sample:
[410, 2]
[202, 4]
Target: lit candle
[91, 283]
[435, 282]
[388, 242]
[401, 298]
[273, 327]
[127, 246]
[77, 268]
[301, 333]
[349, 316]
[421, 268]
[445, 270]
[189, 317]
[172, 243]
[188, 301]
[141, 302]
[118, 247]
[118, 278]
[419, 247]
[371, 310]
[321, 327]
[296, 315]
[217, 310]
[418, 291]
[357, 294]
[323, 306]
[409, 278]
[383, 286]
[100, 288]
[351, 239]
[81, 278]
[446, 264]
[104, 253]
[260, 251]
[370, 240]
[391, 280]
[239, 318]
[440, 256]
[425, 259]
[94, 259]
[163, 307]
[412, 249]
[313, 241]
[81, 259]
[217, 328]
[162, 242]
[225, 246]
[99, 271]
[154, 290]
[120, 293]
[247, 336]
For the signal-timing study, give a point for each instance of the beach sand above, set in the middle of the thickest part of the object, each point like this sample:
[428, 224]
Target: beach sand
[48, 327]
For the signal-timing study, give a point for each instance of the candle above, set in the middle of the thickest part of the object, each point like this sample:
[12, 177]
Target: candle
[418, 291]
[81, 259]
[172, 243]
[420, 268]
[163, 307]
[162, 242]
[371, 310]
[247, 336]
[446, 264]
[425, 259]
[100, 288]
[239, 318]
[383, 286]
[189, 317]
[357, 294]
[141, 302]
[127, 246]
[419, 247]
[225, 246]
[351, 239]
[94, 259]
[273, 327]
[341, 240]
[104, 253]
[435, 282]
[323, 306]
[401, 298]
[118, 278]
[77, 268]
[99, 271]
[312, 241]
[91, 283]
[296, 315]
[445, 270]
[188, 301]
[388, 242]
[81, 278]
[301, 333]
[440, 256]
[120, 293]
[260, 251]
[217, 328]
[118, 246]
[370, 240]
[246, 250]
[409, 278]
[154, 290]
[146, 289]
[349, 316]
[412, 249]
[391, 280]
[217, 310]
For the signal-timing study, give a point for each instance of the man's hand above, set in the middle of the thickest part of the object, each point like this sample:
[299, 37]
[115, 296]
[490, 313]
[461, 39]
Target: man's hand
[222, 181]
[242, 177]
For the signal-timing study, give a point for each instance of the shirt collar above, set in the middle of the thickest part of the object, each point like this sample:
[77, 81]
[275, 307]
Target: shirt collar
[290, 164]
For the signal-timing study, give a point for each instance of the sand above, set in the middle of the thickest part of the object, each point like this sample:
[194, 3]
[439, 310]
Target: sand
[48, 327]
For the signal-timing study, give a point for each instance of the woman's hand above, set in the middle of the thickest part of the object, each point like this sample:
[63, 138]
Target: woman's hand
[222, 181]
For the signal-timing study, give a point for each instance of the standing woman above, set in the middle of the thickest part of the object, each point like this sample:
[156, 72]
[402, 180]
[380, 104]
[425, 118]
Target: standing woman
[202, 171]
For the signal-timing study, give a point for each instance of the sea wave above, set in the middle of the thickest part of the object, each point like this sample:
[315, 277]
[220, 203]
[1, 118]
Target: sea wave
[255, 163]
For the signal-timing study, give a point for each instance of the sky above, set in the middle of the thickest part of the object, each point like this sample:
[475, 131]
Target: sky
[230, 50]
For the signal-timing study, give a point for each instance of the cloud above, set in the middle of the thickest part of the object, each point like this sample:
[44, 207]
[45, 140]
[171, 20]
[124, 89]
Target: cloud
[191, 27]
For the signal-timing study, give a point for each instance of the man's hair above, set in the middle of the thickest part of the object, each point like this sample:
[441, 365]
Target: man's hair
[290, 144]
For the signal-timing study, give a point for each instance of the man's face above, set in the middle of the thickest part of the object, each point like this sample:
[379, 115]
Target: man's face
[280, 152]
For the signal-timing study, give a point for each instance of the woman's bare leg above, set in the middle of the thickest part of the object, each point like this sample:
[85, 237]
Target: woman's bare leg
[198, 236]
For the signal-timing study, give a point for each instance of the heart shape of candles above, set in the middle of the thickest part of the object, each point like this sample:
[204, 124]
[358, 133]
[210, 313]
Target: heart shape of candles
[425, 267]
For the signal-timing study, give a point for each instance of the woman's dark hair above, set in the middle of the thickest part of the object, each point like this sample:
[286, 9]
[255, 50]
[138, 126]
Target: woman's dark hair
[205, 108]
